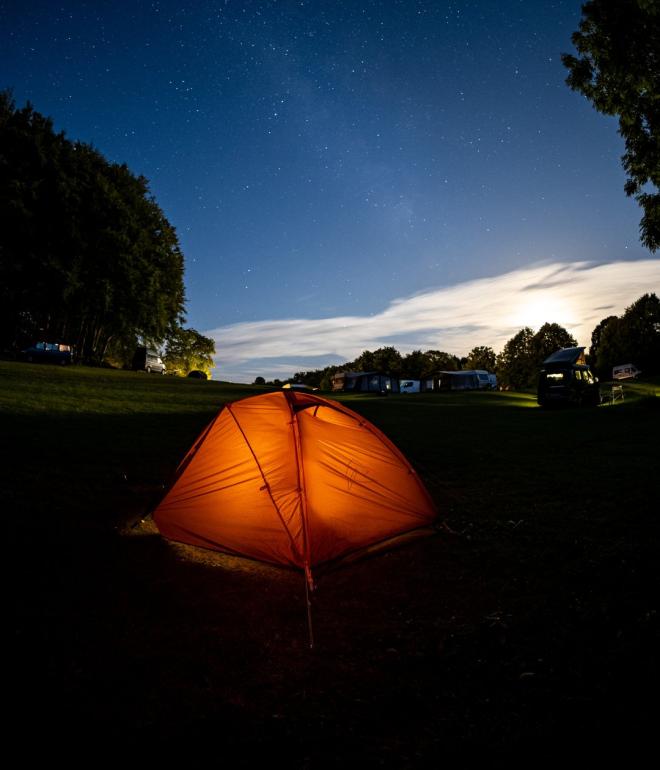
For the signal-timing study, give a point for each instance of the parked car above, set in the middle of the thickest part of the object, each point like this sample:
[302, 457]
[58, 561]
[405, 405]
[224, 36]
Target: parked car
[148, 360]
[48, 353]
[566, 379]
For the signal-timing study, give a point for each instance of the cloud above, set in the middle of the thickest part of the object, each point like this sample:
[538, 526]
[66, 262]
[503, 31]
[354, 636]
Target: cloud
[485, 311]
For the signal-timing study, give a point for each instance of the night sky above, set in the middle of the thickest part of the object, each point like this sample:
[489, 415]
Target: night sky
[331, 166]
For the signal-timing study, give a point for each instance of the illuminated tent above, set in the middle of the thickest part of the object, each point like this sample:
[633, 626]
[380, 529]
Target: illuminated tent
[291, 478]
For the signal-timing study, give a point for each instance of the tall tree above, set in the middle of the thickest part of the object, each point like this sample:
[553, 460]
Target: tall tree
[363, 363]
[549, 338]
[387, 359]
[187, 350]
[515, 364]
[86, 255]
[632, 338]
[618, 70]
[596, 335]
[519, 362]
[441, 361]
[414, 365]
[481, 357]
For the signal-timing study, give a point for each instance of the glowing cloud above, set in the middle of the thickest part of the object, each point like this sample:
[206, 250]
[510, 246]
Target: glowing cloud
[486, 311]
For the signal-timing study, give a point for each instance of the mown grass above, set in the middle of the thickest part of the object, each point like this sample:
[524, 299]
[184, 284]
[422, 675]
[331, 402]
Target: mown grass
[531, 617]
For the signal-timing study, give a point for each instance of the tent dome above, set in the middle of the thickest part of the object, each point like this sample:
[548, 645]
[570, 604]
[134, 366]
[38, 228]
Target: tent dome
[292, 478]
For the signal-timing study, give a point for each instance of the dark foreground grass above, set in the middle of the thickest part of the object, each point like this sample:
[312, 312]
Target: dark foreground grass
[529, 621]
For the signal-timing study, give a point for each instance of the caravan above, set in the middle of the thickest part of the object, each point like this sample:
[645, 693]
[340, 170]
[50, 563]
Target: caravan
[466, 379]
[625, 372]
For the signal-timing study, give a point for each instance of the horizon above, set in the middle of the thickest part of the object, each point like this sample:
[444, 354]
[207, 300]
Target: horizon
[452, 318]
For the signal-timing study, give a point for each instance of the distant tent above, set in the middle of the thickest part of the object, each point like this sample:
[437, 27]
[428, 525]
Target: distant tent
[292, 478]
[365, 382]
[459, 380]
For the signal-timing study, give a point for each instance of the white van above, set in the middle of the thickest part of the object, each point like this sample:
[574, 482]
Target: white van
[147, 360]
[625, 372]
[409, 386]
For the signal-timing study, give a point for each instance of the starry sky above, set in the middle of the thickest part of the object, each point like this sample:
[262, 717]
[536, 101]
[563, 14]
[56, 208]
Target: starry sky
[329, 165]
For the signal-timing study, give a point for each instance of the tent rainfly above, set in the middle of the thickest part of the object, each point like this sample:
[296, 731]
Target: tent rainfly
[294, 479]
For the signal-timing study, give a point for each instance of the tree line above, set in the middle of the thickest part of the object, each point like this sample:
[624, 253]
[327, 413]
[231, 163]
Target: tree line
[632, 338]
[87, 256]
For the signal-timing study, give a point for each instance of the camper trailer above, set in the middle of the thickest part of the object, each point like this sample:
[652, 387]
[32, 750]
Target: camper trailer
[465, 379]
[625, 372]
[484, 379]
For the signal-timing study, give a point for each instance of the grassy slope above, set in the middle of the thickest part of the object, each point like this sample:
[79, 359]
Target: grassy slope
[536, 620]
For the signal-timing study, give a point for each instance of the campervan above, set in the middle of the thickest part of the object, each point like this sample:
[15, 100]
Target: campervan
[566, 379]
[409, 386]
[625, 372]
[147, 360]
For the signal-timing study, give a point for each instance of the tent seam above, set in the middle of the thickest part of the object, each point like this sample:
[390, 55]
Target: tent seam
[302, 492]
[266, 484]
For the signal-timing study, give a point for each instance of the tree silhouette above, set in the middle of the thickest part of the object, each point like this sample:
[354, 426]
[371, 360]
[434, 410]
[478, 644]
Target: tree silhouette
[86, 254]
[481, 357]
[519, 362]
[632, 338]
[618, 70]
[187, 350]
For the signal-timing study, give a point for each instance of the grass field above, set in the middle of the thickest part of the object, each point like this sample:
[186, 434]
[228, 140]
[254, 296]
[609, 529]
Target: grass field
[530, 619]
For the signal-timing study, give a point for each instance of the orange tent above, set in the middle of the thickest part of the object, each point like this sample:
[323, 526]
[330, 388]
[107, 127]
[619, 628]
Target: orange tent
[292, 478]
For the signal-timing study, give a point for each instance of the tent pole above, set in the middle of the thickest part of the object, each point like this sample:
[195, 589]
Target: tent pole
[308, 600]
